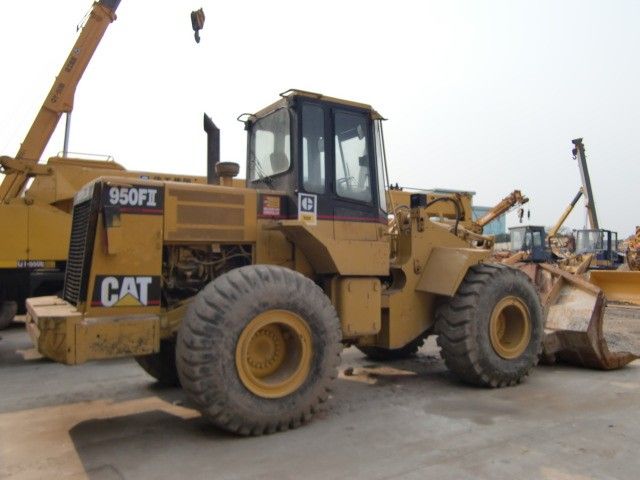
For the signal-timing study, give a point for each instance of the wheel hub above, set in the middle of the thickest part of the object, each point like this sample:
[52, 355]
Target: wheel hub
[510, 328]
[273, 353]
[266, 351]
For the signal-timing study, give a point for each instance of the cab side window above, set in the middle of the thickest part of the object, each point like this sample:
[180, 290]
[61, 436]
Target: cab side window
[537, 239]
[353, 169]
[313, 164]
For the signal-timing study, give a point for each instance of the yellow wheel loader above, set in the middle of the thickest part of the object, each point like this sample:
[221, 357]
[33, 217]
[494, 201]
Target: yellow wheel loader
[36, 199]
[247, 295]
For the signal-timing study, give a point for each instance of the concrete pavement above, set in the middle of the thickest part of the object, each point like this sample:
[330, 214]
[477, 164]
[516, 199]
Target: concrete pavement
[401, 420]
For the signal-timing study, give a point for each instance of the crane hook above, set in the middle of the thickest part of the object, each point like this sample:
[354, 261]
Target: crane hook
[197, 22]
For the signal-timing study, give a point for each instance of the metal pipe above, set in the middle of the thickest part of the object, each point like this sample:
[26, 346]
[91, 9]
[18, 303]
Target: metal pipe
[578, 153]
[67, 129]
[213, 149]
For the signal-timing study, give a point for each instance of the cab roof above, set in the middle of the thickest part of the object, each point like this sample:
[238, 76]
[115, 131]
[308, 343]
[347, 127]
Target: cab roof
[290, 95]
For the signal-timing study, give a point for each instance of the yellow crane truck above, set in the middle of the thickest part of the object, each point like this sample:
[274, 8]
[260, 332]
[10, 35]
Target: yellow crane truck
[247, 295]
[36, 199]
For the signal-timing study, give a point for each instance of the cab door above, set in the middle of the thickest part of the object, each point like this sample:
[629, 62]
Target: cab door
[355, 203]
[338, 169]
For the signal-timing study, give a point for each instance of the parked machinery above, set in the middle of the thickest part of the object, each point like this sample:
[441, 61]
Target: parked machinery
[36, 199]
[528, 243]
[601, 244]
[247, 295]
[598, 246]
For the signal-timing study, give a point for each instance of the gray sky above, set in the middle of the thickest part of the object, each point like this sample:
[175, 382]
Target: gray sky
[480, 95]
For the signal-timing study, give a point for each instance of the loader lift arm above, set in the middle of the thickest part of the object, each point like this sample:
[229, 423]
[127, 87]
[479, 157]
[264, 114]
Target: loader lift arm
[58, 101]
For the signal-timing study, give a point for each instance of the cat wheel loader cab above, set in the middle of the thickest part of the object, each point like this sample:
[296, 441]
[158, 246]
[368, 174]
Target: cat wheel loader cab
[246, 295]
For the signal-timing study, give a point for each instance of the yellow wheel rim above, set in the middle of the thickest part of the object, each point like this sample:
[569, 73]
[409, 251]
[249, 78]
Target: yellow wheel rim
[510, 328]
[273, 353]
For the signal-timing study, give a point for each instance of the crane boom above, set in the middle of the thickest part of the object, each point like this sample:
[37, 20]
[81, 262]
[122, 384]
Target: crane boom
[58, 101]
[508, 202]
[579, 155]
[554, 230]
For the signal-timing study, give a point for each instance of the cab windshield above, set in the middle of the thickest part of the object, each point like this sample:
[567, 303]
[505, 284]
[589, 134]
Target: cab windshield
[270, 146]
[588, 241]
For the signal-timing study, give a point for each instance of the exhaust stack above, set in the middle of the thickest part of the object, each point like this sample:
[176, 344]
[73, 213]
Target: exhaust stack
[213, 150]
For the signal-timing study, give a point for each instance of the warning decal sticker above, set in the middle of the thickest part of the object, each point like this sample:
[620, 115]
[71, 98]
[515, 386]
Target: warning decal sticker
[308, 208]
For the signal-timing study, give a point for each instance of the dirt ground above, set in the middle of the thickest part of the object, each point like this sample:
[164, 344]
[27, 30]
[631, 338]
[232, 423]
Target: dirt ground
[402, 420]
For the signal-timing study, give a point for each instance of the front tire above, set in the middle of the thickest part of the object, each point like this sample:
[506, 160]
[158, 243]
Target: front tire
[258, 350]
[490, 332]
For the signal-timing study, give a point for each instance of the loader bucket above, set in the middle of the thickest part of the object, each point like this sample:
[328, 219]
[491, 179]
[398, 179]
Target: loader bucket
[618, 286]
[583, 326]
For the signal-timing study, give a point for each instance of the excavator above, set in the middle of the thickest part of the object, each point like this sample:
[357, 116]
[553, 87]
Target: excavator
[36, 199]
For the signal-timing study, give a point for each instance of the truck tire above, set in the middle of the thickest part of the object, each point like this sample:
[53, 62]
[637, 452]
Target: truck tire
[382, 354]
[490, 332]
[259, 349]
[162, 365]
[8, 310]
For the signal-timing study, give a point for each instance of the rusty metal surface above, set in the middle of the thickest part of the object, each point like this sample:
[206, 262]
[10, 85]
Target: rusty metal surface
[582, 326]
[633, 251]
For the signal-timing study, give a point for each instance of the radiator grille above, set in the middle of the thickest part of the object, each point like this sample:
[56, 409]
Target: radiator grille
[83, 226]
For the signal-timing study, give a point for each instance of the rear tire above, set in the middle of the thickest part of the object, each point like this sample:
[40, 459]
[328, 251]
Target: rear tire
[162, 365]
[8, 310]
[258, 350]
[490, 332]
[381, 354]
